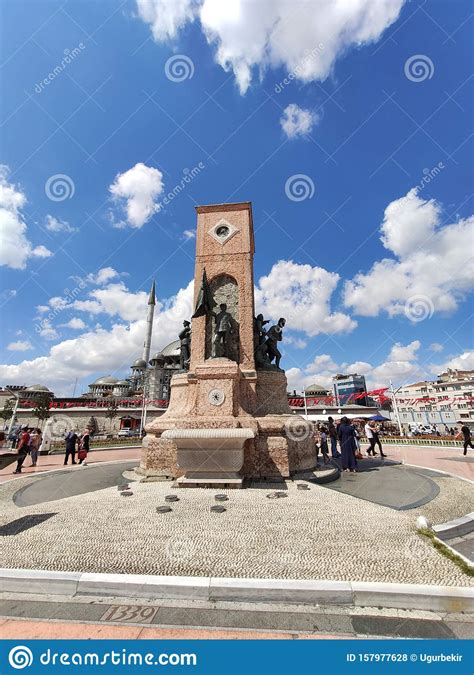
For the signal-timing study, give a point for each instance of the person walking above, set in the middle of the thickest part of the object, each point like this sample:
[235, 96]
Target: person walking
[35, 443]
[323, 441]
[369, 434]
[83, 446]
[357, 442]
[348, 445]
[465, 432]
[332, 431]
[23, 446]
[375, 432]
[71, 440]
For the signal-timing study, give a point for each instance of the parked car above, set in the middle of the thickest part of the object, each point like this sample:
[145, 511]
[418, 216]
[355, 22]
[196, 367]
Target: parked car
[128, 433]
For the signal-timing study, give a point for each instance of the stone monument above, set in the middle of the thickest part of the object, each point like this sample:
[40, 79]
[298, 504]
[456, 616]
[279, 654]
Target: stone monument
[228, 419]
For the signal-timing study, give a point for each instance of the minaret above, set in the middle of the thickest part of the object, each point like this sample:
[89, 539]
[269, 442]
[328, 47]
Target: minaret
[149, 324]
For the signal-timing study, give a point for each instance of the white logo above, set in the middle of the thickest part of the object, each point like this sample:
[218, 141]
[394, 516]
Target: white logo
[20, 657]
[419, 68]
[298, 429]
[299, 187]
[59, 187]
[418, 308]
[179, 68]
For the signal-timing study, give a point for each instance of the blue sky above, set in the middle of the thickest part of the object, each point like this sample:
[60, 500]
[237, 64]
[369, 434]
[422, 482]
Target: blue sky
[373, 268]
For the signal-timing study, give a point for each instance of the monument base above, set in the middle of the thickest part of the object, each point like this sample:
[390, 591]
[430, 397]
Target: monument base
[252, 408]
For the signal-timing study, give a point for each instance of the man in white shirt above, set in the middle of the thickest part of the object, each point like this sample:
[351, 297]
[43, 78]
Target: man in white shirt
[369, 434]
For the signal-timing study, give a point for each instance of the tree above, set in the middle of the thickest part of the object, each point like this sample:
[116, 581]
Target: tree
[7, 411]
[112, 412]
[93, 426]
[41, 410]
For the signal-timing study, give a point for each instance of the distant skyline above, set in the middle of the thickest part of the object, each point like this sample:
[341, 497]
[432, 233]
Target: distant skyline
[349, 130]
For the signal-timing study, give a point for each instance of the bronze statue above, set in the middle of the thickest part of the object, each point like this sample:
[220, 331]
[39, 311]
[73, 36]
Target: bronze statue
[185, 346]
[259, 331]
[274, 335]
[224, 328]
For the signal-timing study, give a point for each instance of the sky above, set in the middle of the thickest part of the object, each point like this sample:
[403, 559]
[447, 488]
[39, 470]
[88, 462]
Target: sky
[348, 125]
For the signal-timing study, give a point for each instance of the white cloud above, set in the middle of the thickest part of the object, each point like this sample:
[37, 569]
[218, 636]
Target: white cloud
[42, 309]
[102, 351]
[20, 346]
[165, 17]
[401, 366]
[401, 352]
[189, 234]
[297, 122]
[436, 347]
[47, 331]
[16, 248]
[464, 361]
[136, 191]
[275, 33]
[75, 323]
[302, 295]
[433, 261]
[55, 225]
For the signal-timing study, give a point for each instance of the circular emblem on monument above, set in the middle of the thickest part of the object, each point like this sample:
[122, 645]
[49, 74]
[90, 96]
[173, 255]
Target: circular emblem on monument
[216, 397]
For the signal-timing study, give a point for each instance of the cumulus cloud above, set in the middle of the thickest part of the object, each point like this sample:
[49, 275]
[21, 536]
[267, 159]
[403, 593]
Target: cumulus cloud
[463, 361]
[135, 191]
[101, 350]
[436, 347]
[55, 225]
[275, 33]
[433, 262]
[103, 276]
[75, 323]
[401, 352]
[297, 122]
[16, 248]
[302, 295]
[20, 346]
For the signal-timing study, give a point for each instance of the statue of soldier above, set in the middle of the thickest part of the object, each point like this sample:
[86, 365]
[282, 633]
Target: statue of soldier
[223, 329]
[274, 335]
[185, 346]
[259, 331]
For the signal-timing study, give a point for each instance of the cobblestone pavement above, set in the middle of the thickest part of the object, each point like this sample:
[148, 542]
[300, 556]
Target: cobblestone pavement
[315, 533]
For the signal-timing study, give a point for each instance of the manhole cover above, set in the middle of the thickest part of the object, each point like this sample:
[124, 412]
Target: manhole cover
[221, 498]
[171, 498]
[126, 493]
[218, 508]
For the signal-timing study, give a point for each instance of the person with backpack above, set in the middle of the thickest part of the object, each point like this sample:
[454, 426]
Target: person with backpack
[71, 440]
[23, 448]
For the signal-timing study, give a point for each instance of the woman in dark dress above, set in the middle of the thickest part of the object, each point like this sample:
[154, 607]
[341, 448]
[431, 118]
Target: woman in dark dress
[348, 445]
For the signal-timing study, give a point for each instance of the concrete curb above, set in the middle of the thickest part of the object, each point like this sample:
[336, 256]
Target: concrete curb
[295, 591]
[458, 527]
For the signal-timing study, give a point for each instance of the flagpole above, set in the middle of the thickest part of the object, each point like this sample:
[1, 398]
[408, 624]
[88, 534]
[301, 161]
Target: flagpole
[395, 405]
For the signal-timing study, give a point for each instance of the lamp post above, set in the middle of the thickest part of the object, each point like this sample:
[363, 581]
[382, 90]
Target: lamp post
[395, 405]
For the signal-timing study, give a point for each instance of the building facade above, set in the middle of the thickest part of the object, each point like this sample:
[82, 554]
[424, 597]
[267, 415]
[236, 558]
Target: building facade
[443, 403]
[350, 389]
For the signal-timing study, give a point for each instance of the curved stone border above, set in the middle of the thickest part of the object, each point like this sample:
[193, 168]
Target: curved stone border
[299, 591]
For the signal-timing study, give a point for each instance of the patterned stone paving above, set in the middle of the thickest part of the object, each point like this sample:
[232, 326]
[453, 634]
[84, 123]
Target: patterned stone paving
[315, 533]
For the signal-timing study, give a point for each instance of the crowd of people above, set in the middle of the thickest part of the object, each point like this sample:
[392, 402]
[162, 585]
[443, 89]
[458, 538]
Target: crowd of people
[347, 434]
[28, 441]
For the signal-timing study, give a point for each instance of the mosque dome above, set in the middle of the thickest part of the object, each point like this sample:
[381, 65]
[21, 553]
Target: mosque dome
[106, 379]
[173, 349]
[38, 387]
[139, 363]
